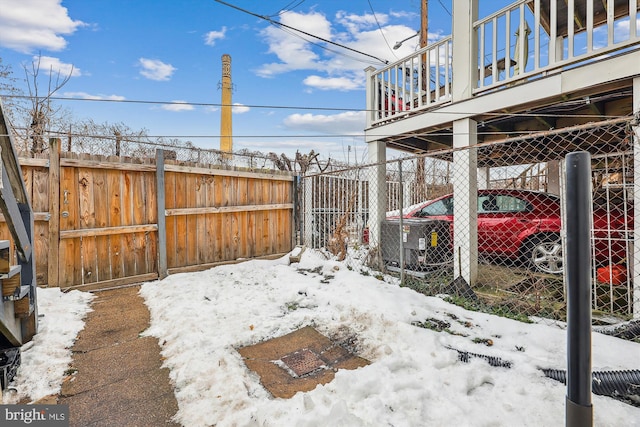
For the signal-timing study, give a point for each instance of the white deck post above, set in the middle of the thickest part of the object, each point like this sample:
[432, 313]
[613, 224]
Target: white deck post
[377, 190]
[307, 215]
[465, 53]
[465, 194]
[465, 134]
[377, 176]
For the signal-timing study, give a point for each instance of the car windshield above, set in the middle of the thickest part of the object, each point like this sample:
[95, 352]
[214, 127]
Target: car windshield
[438, 208]
[487, 203]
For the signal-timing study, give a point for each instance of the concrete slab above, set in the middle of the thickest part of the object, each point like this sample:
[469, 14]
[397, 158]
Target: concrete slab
[298, 361]
[119, 379]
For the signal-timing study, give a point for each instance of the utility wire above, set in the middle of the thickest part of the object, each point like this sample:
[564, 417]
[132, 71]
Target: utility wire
[280, 24]
[138, 138]
[285, 107]
[380, 28]
[293, 33]
[288, 7]
[444, 7]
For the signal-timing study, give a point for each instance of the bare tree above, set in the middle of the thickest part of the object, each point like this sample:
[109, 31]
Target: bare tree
[41, 109]
[12, 100]
[301, 161]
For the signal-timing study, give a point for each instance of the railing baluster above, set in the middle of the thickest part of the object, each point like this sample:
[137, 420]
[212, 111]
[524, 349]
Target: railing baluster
[610, 24]
[447, 86]
[437, 74]
[377, 106]
[412, 65]
[571, 10]
[553, 34]
[507, 49]
[494, 51]
[536, 34]
[633, 12]
[522, 37]
[481, 56]
[423, 60]
[589, 26]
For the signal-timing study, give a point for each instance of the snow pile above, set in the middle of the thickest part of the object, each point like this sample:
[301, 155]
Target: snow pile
[46, 358]
[415, 377]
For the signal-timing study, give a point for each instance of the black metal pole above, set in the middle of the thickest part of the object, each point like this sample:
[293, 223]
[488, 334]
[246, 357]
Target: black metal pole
[401, 222]
[579, 411]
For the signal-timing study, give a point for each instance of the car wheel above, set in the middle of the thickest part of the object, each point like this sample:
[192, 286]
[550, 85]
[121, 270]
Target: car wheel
[544, 254]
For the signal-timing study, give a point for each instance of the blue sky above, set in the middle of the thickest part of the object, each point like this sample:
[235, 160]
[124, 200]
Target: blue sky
[152, 50]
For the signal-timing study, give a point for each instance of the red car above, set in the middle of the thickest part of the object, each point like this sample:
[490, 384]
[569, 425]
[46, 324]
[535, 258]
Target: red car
[524, 224]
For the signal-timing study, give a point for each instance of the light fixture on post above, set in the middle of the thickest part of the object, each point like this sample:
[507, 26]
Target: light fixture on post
[398, 44]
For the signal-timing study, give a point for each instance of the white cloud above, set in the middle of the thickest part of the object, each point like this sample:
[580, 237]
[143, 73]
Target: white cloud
[240, 108]
[54, 66]
[622, 29]
[334, 68]
[211, 37]
[356, 23]
[290, 146]
[346, 123]
[294, 53]
[177, 106]
[155, 69]
[334, 83]
[35, 24]
[84, 95]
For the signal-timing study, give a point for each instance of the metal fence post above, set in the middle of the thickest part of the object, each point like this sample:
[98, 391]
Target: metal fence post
[401, 222]
[579, 411]
[162, 224]
[295, 224]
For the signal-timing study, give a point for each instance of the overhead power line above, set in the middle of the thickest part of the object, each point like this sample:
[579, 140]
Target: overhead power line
[380, 28]
[280, 24]
[297, 107]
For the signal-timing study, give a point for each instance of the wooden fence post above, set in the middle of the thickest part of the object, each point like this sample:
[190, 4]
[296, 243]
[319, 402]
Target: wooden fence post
[162, 229]
[54, 213]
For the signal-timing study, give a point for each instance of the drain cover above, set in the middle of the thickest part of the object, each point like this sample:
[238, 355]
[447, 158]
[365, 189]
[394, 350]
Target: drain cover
[302, 362]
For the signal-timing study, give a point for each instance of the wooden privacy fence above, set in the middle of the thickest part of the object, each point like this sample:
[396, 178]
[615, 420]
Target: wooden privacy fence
[101, 222]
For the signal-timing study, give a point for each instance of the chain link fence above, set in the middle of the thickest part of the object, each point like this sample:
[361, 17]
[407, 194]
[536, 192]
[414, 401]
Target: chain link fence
[512, 249]
[144, 147]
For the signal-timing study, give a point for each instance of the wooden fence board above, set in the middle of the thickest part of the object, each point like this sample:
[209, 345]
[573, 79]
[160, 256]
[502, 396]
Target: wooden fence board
[39, 196]
[102, 270]
[191, 234]
[180, 235]
[114, 190]
[89, 219]
[211, 222]
[129, 248]
[201, 221]
[151, 205]
[170, 202]
[139, 216]
[225, 229]
[70, 260]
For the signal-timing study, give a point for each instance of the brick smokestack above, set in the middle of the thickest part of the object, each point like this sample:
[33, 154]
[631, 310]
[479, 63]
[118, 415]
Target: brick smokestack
[226, 128]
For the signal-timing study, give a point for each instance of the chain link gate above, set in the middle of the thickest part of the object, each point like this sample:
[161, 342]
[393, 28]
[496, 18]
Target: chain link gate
[518, 211]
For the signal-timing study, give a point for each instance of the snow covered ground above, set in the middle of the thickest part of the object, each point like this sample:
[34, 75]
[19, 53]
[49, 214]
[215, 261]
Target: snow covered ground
[415, 378]
[46, 358]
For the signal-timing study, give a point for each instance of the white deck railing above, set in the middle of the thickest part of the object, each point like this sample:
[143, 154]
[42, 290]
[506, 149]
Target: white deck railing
[570, 33]
[585, 30]
[415, 83]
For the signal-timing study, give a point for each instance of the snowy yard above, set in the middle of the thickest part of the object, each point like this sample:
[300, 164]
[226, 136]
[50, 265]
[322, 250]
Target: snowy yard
[415, 378]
